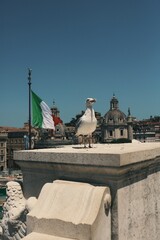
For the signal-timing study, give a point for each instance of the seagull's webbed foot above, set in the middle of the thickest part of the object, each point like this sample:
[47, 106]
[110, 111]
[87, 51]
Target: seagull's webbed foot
[90, 141]
[87, 140]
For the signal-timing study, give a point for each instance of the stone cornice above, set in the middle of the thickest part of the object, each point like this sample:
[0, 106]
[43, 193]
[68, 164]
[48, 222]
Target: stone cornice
[105, 155]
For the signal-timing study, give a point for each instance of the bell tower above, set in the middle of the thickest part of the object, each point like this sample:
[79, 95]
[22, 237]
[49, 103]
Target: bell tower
[55, 110]
[113, 103]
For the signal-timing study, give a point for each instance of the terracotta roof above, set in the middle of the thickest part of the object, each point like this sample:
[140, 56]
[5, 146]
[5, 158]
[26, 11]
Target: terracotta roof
[11, 129]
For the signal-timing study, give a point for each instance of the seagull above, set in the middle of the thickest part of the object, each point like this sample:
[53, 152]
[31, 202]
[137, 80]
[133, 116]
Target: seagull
[86, 125]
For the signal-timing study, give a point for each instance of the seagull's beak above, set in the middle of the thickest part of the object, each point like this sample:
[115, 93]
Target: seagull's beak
[93, 100]
[90, 100]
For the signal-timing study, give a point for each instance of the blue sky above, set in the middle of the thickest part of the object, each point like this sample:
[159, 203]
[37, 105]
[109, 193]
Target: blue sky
[78, 49]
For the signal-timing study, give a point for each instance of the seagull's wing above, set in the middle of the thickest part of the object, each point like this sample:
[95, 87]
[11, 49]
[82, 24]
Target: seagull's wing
[78, 123]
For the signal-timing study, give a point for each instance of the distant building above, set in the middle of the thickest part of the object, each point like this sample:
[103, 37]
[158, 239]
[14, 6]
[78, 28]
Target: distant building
[147, 130]
[59, 126]
[3, 150]
[13, 141]
[116, 125]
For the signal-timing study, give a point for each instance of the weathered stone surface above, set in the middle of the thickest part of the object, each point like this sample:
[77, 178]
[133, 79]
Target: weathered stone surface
[107, 154]
[139, 209]
[72, 210]
[40, 236]
[99, 165]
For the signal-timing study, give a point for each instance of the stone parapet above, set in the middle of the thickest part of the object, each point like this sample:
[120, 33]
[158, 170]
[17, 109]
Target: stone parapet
[130, 170]
[103, 164]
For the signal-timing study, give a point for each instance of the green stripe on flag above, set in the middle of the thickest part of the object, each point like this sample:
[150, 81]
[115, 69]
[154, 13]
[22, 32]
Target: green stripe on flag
[37, 118]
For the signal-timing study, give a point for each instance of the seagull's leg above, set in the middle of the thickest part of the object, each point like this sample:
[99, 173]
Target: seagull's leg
[90, 141]
[84, 141]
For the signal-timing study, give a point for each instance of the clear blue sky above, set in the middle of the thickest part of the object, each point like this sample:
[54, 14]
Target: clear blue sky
[78, 49]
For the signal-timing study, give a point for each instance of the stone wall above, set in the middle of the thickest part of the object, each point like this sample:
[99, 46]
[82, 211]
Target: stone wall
[139, 209]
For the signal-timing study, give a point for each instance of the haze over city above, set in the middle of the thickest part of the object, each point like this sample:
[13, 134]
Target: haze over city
[79, 49]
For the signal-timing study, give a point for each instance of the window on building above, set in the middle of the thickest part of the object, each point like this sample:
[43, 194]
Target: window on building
[110, 133]
[110, 120]
[2, 157]
[2, 152]
[1, 144]
[121, 132]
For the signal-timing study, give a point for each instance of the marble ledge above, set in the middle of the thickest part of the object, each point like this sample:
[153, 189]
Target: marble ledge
[107, 155]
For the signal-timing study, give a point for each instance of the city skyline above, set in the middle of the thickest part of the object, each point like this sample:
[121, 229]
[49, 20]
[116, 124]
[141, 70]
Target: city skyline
[76, 50]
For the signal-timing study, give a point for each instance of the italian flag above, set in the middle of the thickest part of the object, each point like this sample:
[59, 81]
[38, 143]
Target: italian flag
[41, 113]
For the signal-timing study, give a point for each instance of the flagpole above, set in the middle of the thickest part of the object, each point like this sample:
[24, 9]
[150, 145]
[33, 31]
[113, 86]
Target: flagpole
[29, 120]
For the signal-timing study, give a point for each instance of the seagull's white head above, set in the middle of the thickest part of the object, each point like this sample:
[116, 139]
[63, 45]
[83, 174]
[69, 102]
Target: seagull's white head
[90, 101]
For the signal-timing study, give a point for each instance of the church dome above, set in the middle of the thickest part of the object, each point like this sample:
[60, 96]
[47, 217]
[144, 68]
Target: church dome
[114, 115]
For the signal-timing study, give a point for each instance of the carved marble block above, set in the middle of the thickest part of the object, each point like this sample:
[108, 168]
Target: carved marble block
[70, 210]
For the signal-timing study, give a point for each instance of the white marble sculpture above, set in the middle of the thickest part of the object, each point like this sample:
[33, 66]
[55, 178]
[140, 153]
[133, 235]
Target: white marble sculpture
[15, 209]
